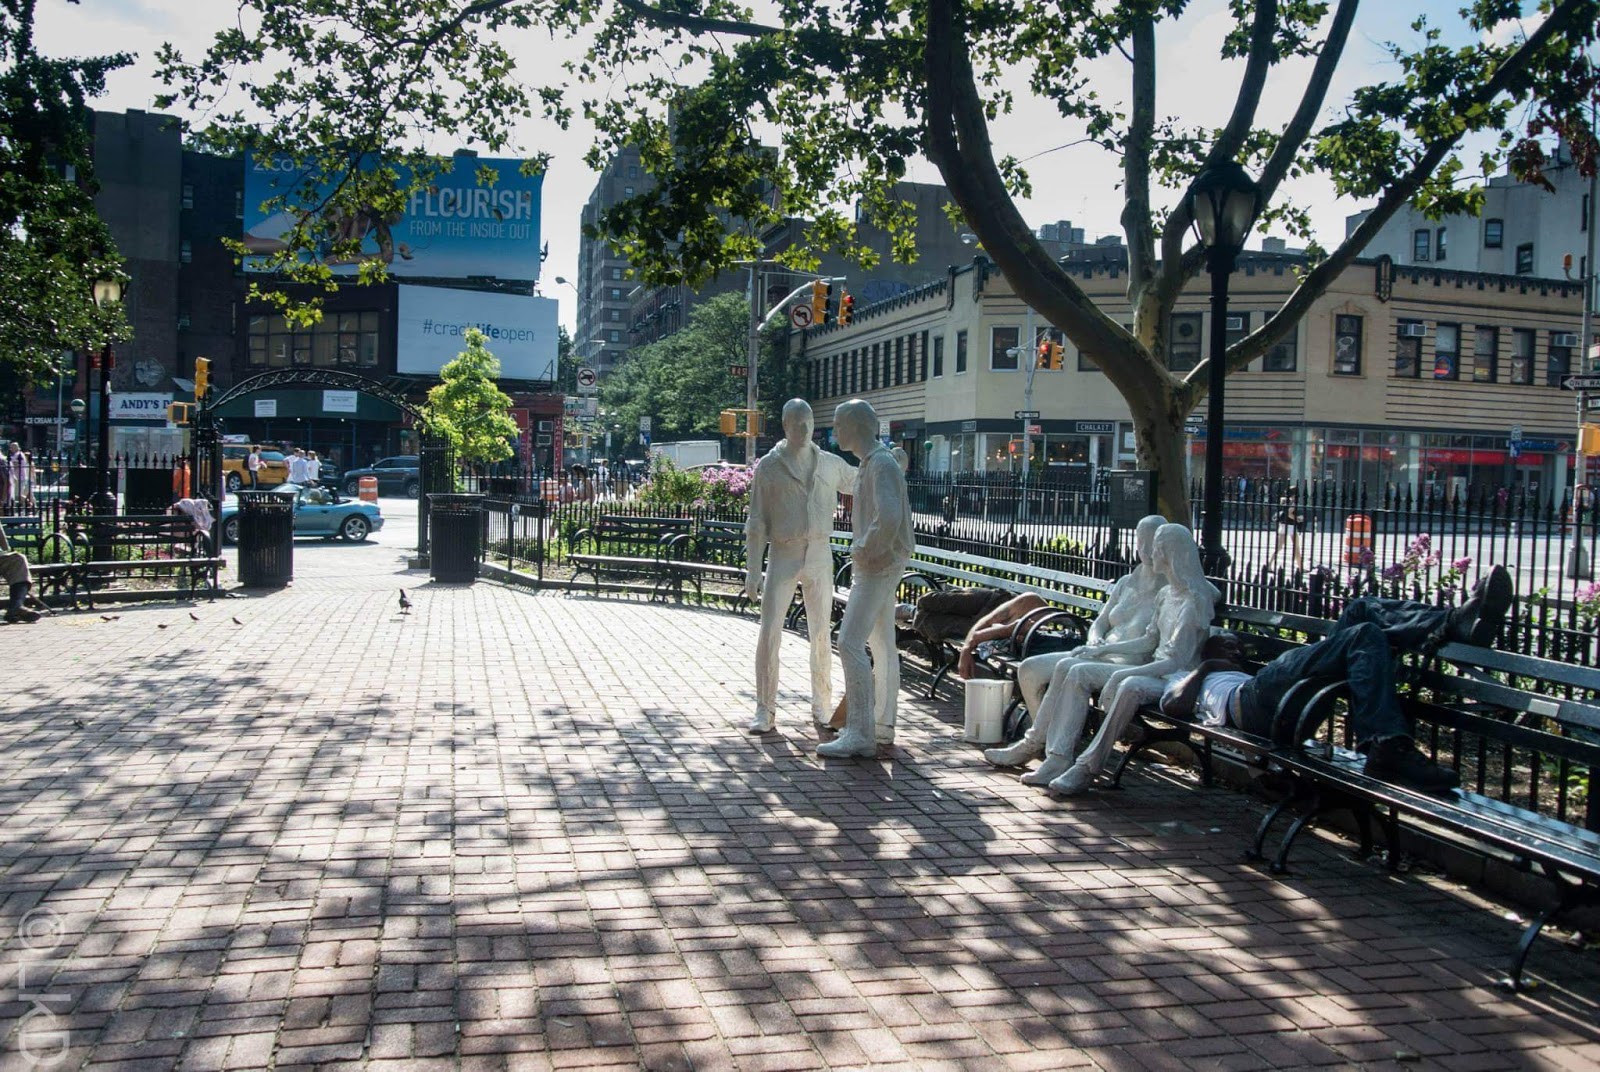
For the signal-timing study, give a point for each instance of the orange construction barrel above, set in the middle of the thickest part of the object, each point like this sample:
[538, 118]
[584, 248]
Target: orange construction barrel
[1358, 540]
[368, 486]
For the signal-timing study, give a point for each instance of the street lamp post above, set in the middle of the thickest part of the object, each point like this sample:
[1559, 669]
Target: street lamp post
[107, 293]
[1223, 203]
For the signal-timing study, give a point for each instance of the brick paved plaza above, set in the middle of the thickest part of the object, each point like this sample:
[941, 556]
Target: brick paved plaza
[527, 831]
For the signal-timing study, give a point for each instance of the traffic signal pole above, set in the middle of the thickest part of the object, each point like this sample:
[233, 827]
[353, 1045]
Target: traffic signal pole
[1031, 358]
[751, 382]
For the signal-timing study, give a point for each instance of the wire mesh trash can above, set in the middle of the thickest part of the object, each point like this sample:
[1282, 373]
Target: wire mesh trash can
[455, 537]
[266, 539]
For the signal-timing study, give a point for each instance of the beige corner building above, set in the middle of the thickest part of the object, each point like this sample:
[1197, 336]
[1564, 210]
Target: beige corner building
[1417, 377]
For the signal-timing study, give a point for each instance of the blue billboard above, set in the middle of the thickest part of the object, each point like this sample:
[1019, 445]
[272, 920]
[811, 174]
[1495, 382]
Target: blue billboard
[450, 229]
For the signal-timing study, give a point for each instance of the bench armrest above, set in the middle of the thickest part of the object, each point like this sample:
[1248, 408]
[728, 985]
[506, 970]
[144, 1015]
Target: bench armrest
[1030, 625]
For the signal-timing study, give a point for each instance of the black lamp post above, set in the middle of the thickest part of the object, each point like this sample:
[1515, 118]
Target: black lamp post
[107, 293]
[1223, 203]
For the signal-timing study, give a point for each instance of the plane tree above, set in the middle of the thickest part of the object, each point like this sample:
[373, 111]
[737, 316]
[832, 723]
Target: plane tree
[810, 105]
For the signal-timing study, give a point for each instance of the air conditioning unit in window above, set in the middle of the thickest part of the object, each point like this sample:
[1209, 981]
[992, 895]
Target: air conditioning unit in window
[1413, 330]
[545, 426]
[1235, 323]
[1563, 338]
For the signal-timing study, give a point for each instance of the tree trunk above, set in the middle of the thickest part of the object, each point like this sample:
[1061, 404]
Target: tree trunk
[1158, 436]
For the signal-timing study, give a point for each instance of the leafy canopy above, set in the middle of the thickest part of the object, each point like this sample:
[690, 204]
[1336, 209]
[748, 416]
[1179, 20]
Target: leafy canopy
[52, 245]
[469, 409]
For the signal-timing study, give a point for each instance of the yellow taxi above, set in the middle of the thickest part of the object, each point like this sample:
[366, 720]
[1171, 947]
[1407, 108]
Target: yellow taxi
[236, 471]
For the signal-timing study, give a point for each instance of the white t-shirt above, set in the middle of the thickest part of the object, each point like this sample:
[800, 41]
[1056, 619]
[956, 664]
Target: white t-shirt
[1216, 697]
[313, 468]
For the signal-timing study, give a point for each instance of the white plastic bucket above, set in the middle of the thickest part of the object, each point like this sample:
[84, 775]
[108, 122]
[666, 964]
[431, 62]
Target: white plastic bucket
[986, 710]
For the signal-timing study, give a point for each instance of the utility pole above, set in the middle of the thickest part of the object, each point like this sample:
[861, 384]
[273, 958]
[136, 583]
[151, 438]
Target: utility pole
[1578, 566]
[1030, 355]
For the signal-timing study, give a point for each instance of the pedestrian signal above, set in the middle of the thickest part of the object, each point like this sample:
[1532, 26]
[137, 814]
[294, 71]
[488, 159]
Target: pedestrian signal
[180, 413]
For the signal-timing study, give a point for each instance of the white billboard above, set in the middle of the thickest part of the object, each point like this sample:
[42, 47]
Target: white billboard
[433, 324]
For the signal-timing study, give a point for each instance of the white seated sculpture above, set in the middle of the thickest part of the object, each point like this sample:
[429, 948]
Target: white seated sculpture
[793, 494]
[1184, 610]
[880, 547]
[1123, 634]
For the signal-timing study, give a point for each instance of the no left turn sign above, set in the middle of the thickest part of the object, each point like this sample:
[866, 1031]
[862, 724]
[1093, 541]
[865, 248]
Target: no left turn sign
[800, 316]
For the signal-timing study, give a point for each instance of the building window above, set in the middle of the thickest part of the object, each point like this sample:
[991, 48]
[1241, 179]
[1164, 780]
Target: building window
[899, 361]
[1583, 214]
[938, 356]
[1440, 249]
[347, 340]
[1234, 328]
[1485, 354]
[633, 171]
[1421, 243]
[1521, 355]
[1284, 355]
[1183, 341]
[1347, 335]
[613, 314]
[923, 352]
[616, 273]
[1408, 348]
[185, 251]
[627, 191]
[1525, 259]
[1003, 344]
[1559, 366]
[615, 293]
[613, 335]
[186, 198]
[1494, 233]
[961, 352]
[1446, 351]
[1086, 363]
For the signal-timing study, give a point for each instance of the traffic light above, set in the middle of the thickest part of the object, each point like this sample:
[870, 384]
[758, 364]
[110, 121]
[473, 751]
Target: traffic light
[1044, 354]
[847, 308]
[728, 422]
[1050, 354]
[180, 413]
[202, 378]
[1057, 356]
[821, 292]
[1589, 439]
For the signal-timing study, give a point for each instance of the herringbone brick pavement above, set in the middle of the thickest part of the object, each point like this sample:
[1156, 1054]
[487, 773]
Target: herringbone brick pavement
[520, 831]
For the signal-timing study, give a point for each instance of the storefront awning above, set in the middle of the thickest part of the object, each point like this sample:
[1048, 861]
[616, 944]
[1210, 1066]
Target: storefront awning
[315, 403]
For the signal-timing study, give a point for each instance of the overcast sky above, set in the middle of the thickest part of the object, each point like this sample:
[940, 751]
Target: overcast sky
[1076, 183]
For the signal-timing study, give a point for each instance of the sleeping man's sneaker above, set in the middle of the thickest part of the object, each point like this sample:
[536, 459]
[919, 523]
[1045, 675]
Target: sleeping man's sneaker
[1398, 760]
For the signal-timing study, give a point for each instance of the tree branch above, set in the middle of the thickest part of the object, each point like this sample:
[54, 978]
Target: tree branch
[1136, 226]
[958, 143]
[1258, 62]
[1299, 128]
[1393, 199]
[692, 23]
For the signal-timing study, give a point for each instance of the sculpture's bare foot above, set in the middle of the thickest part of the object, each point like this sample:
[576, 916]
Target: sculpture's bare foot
[1053, 767]
[1013, 755]
[849, 744]
[1073, 783]
[762, 722]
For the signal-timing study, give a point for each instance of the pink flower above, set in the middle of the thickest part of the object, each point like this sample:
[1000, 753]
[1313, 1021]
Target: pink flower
[1462, 564]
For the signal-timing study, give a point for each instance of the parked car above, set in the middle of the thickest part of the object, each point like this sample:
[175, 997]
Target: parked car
[317, 512]
[399, 475]
[236, 475]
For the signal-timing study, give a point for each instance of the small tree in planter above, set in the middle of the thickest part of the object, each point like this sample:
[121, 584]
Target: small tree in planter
[469, 409]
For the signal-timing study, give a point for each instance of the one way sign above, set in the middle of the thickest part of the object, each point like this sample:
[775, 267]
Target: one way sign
[1581, 383]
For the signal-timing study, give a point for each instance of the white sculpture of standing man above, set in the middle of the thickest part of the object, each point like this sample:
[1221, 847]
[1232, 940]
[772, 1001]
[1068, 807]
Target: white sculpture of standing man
[881, 546]
[793, 495]
[1123, 634]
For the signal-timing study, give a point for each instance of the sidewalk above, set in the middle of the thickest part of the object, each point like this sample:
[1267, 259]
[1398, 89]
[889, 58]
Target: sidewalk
[523, 831]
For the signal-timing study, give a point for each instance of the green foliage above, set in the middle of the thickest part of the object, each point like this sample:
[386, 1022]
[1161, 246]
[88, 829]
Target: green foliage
[52, 245]
[469, 409]
[671, 488]
[682, 382]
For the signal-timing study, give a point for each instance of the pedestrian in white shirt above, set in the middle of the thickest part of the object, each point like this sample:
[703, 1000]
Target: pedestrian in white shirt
[313, 468]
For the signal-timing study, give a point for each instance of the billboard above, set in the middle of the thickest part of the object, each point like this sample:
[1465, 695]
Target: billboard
[432, 325]
[450, 230]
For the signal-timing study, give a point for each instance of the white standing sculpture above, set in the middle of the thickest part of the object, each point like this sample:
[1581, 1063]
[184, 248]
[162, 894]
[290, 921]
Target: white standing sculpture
[793, 495]
[1123, 634]
[1184, 610]
[879, 550]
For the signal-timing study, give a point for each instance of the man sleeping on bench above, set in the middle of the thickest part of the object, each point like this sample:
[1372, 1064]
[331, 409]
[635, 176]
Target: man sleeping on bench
[1219, 692]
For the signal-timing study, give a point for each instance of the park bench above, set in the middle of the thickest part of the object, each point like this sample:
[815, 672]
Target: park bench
[715, 550]
[105, 547]
[50, 556]
[627, 548]
[1527, 751]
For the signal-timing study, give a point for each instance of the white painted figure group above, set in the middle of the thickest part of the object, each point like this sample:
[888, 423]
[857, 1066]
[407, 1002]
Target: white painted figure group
[793, 495]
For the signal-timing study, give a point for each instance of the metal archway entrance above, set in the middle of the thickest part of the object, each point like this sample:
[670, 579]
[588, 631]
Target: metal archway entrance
[436, 461]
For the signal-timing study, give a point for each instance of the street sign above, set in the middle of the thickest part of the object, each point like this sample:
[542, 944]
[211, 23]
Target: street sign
[586, 380]
[739, 371]
[1516, 433]
[644, 425]
[800, 317]
[1034, 429]
[1590, 382]
[1027, 415]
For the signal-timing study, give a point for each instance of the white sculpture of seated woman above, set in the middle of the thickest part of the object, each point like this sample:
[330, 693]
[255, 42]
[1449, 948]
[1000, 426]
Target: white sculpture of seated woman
[1184, 610]
[1122, 635]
